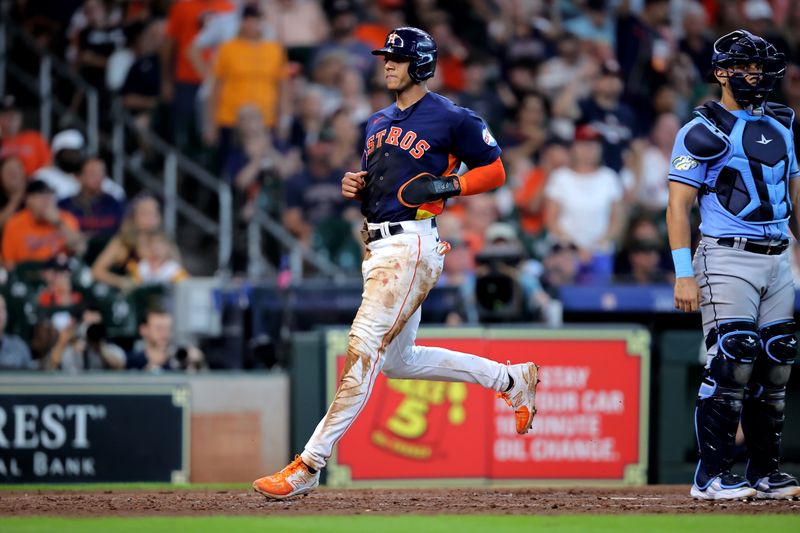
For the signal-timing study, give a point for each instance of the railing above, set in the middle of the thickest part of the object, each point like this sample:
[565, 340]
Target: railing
[297, 252]
[174, 165]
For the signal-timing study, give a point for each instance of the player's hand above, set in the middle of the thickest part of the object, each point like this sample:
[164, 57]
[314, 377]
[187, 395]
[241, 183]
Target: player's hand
[352, 184]
[687, 294]
[425, 187]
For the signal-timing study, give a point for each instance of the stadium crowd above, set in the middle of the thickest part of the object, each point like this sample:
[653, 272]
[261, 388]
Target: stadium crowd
[585, 97]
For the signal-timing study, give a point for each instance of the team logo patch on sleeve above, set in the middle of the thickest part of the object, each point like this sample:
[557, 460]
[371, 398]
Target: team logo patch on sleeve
[684, 162]
[487, 137]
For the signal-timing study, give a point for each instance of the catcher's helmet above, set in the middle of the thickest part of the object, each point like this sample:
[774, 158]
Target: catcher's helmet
[414, 44]
[741, 47]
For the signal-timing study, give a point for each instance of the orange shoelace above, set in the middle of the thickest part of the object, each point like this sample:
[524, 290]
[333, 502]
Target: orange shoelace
[294, 466]
[505, 397]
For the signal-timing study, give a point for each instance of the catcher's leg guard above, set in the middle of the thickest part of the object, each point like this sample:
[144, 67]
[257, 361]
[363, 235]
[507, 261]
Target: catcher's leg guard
[719, 401]
[764, 401]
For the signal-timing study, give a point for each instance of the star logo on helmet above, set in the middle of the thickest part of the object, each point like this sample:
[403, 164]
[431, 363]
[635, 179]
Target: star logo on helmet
[393, 38]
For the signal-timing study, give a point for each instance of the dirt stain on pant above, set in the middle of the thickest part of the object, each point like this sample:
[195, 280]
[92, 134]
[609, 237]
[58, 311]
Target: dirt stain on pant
[391, 296]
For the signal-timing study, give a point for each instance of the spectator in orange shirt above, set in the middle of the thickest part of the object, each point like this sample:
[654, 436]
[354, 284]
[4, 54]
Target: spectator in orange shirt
[249, 70]
[180, 81]
[28, 145]
[40, 231]
[529, 198]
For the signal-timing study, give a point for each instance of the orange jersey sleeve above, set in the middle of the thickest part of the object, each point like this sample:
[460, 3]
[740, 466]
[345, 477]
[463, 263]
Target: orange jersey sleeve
[482, 179]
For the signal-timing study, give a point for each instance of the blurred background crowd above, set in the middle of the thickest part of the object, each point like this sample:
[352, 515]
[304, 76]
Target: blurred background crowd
[585, 98]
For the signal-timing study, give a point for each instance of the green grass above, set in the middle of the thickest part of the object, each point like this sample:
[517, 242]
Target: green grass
[404, 524]
[122, 487]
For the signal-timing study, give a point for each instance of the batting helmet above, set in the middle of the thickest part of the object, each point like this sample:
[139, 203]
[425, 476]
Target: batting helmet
[741, 47]
[414, 44]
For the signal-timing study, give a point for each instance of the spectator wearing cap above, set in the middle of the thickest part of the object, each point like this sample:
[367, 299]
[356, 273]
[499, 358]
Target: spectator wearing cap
[606, 114]
[41, 230]
[58, 291]
[248, 70]
[12, 188]
[69, 153]
[584, 204]
[14, 353]
[28, 145]
[99, 214]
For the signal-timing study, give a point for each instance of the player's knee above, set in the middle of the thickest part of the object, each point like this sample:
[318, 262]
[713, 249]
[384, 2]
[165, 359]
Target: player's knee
[736, 341]
[391, 371]
[394, 367]
[780, 343]
[730, 369]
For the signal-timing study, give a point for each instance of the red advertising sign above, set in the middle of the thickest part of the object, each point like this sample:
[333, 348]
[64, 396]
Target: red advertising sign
[591, 422]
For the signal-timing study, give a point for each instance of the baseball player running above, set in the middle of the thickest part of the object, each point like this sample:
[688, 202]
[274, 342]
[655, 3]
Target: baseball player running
[412, 150]
[737, 158]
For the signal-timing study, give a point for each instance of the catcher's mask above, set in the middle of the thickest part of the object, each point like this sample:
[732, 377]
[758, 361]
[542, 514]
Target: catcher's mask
[741, 47]
[414, 44]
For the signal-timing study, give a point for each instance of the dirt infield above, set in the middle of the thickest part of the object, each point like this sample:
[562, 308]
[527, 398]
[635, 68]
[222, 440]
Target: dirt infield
[534, 501]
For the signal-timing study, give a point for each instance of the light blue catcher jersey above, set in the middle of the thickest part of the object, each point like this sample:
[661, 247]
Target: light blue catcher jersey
[742, 165]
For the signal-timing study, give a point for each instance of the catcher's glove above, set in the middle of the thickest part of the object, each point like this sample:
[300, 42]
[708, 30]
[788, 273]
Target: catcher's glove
[425, 187]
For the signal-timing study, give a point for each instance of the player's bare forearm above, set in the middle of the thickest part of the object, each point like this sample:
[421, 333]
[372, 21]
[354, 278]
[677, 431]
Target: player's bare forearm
[679, 208]
[794, 192]
[681, 199]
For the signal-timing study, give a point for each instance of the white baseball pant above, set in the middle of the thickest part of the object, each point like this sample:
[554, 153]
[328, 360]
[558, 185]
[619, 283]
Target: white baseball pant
[399, 271]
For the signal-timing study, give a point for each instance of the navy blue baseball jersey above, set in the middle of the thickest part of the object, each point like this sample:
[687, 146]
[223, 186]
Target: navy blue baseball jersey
[742, 165]
[434, 135]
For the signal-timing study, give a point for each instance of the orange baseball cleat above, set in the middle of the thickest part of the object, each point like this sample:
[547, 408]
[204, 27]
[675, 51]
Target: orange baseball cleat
[522, 396]
[293, 480]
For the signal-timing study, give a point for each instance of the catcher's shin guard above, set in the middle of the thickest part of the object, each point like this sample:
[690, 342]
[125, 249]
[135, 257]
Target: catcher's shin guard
[719, 401]
[764, 401]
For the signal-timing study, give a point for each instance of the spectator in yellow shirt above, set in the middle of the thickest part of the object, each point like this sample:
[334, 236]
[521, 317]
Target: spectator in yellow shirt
[249, 70]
